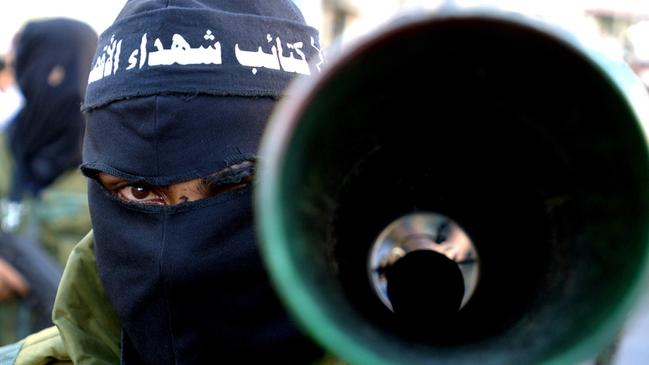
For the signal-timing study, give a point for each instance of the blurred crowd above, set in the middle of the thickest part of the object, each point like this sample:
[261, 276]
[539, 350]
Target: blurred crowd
[43, 208]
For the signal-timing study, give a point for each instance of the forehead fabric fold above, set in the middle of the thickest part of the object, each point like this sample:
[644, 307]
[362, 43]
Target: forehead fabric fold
[167, 139]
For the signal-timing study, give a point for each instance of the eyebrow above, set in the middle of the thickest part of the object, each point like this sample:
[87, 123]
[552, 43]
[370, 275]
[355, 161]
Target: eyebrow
[230, 178]
[233, 174]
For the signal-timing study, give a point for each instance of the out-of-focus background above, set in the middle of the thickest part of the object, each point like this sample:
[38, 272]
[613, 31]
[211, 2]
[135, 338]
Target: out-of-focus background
[619, 28]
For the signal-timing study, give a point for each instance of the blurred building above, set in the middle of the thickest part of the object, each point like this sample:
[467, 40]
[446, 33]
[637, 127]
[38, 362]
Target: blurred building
[627, 22]
[618, 27]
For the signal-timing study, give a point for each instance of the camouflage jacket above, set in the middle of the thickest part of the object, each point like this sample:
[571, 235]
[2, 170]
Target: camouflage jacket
[58, 220]
[87, 329]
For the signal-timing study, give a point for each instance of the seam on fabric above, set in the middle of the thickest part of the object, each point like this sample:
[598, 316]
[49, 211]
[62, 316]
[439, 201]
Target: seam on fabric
[256, 93]
[122, 348]
[163, 246]
[156, 138]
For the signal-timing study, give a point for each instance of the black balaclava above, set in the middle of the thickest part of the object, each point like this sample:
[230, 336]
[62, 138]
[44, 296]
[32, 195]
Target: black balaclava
[45, 136]
[181, 90]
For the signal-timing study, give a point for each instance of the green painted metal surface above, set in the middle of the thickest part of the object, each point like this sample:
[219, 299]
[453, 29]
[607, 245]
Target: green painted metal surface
[348, 138]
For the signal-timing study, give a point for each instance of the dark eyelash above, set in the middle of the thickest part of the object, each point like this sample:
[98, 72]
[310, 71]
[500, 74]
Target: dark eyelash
[133, 184]
[232, 177]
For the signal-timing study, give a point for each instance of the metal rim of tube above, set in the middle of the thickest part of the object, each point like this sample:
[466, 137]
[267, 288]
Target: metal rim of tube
[277, 244]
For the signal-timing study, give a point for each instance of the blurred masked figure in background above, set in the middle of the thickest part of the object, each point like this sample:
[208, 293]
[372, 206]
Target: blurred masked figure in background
[44, 208]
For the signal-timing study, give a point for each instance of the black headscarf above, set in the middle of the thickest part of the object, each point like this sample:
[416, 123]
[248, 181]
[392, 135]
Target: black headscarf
[52, 61]
[182, 90]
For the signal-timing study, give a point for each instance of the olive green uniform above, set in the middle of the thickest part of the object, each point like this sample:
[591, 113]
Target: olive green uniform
[87, 329]
[61, 218]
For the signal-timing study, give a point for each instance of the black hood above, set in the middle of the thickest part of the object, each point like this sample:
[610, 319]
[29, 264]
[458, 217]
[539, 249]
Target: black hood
[182, 90]
[46, 134]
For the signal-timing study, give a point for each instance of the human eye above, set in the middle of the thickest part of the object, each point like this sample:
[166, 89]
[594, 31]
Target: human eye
[140, 193]
[132, 191]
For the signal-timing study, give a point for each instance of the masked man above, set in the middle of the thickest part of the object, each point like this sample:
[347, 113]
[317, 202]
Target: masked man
[177, 99]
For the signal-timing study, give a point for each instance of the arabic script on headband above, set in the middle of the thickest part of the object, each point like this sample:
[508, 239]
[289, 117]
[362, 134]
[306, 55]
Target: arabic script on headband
[283, 56]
